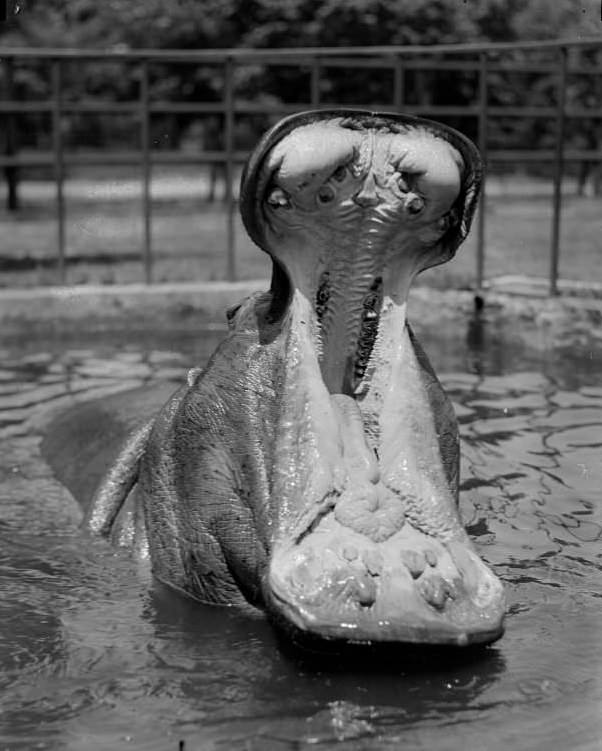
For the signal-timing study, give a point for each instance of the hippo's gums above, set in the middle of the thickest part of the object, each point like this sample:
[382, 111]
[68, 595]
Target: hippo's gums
[311, 468]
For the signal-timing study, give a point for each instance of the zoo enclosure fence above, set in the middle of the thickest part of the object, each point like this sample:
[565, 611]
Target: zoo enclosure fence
[554, 60]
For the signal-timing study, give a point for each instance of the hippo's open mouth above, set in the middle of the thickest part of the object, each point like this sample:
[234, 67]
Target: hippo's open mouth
[366, 541]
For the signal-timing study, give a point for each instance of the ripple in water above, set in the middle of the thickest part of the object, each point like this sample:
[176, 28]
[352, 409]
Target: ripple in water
[95, 655]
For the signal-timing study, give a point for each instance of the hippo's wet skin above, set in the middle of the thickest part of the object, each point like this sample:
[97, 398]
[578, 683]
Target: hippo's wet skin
[311, 468]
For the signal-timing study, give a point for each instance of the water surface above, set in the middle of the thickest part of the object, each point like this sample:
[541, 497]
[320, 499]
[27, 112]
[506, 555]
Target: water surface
[94, 655]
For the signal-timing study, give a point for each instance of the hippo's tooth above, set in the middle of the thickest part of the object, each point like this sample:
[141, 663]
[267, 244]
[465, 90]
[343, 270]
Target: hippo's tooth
[373, 561]
[363, 589]
[431, 557]
[434, 590]
[350, 553]
[414, 561]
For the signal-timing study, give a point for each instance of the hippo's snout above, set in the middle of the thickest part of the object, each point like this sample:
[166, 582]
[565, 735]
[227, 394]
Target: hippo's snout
[339, 584]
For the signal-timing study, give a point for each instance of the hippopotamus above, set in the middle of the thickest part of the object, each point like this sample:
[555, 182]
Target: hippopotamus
[310, 468]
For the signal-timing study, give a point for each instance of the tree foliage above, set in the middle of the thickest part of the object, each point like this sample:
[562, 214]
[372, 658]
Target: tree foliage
[277, 23]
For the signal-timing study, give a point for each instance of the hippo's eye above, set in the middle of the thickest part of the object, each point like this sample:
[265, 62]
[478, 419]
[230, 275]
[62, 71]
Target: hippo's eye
[403, 182]
[340, 173]
[325, 195]
[277, 198]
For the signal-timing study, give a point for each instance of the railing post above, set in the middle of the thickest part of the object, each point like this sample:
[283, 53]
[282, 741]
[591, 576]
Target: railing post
[147, 248]
[11, 171]
[229, 146]
[59, 167]
[398, 84]
[482, 140]
[315, 82]
[558, 170]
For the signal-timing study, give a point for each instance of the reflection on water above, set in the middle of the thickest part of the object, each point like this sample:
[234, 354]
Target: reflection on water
[94, 655]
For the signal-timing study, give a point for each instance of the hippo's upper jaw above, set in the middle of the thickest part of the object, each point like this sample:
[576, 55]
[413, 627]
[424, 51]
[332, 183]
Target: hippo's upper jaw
[312, 467]
[366, 540]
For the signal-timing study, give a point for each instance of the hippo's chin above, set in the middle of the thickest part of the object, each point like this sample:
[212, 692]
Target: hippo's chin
[337, 584]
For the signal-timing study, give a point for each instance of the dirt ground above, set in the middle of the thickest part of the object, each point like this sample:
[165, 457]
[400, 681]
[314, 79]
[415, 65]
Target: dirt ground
[104, 233]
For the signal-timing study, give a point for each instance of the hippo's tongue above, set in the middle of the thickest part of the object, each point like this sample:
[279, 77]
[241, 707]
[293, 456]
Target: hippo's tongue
[359, 458]
[366, 505]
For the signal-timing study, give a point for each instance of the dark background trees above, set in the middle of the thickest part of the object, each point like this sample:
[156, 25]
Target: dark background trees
[277, 23]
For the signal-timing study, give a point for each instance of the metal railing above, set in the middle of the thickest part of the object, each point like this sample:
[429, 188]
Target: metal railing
[480, 59]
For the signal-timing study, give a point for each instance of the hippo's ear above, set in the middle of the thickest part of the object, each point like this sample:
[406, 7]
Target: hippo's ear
[231, 313]
[462, 213]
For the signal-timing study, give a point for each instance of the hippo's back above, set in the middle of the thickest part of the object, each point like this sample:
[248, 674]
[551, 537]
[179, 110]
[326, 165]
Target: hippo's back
[83, 442]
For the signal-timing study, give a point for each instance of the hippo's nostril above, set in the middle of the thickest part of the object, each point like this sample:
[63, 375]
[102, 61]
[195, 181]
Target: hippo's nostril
[367, 196]
[414, 204]
[325, 195]
[366, 200]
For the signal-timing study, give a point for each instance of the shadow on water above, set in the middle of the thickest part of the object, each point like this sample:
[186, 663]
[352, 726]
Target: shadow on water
[168, 612]
[329, 686]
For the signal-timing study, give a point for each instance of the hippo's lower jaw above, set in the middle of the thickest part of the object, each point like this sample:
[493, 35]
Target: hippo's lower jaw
[375, 550]
[341, 587]
[366, 540]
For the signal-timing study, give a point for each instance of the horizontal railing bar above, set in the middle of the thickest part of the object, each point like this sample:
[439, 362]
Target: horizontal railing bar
[127, 158]
[211, 108]
[501, 111]
[258, 109]
[388, 62]
[30, 107]
[240, 54]
[547, 155]
[208, 108]
[248, 108]
[110, 108]
[443, 64]
[584, 113]
[439, 64]
[520, 67]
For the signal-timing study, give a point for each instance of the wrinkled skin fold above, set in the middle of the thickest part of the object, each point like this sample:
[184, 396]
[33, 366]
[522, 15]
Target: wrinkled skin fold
[311, 468]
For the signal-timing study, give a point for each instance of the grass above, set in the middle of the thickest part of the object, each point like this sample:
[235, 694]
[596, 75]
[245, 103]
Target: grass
[104, 235]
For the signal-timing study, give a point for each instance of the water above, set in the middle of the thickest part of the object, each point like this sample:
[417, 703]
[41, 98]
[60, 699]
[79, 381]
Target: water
[94, 655]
